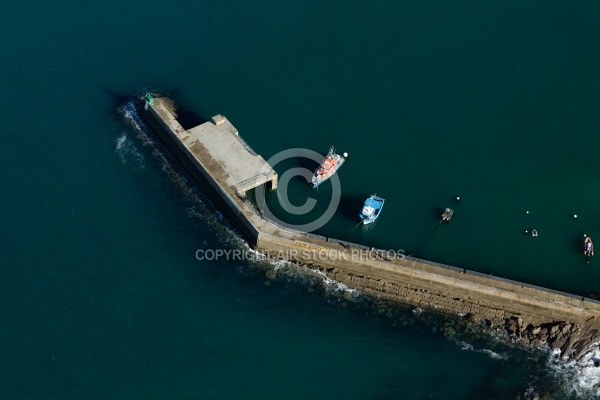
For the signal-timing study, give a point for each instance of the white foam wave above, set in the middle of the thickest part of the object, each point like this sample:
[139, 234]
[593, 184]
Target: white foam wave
[492, 354]
[582, 377]
[127, 151]
[296, 271]
[130, 114]
[337, 286]
[256, 254]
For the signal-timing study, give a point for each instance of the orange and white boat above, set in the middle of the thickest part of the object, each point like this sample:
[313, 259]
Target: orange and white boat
[328, 167]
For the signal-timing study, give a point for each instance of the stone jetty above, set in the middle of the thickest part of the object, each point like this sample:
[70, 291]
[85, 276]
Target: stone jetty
[216, 156]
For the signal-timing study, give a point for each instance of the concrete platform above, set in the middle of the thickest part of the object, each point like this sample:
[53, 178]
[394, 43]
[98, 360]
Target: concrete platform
[218, 144]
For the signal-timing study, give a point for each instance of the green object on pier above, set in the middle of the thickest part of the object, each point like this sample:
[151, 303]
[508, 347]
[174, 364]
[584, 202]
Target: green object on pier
[150, 99]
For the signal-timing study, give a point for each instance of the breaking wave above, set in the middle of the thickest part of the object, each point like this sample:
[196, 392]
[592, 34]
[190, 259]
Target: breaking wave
[492, 354]
[129, 112]
[125, 148]
[127, 151]
[292, 271]
[580, 379]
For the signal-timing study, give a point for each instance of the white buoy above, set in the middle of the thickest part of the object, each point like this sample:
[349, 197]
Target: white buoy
[575, 216]
[457, 198]
[584, 235]
[526, 231]
[345, 155]
[527, 212]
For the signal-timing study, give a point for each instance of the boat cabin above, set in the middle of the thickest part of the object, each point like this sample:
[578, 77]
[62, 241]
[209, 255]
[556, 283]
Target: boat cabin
[368, 211]
[448, 212]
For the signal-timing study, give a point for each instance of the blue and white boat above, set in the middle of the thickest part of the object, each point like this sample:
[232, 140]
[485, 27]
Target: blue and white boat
[371, 209]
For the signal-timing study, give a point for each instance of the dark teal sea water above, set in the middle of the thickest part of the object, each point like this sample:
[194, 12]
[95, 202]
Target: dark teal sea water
[101, 295]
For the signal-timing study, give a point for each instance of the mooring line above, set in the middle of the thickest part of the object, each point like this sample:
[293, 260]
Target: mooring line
[427, 240]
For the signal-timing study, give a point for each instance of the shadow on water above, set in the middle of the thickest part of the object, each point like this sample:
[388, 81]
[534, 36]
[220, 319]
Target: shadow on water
[437, 212]
[297, 162]
[189, 120]
[301, 162]
[122, 98]
[350, 205]
[577, 243]
[118, 99]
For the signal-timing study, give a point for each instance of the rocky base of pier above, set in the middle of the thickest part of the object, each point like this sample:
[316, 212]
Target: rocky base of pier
[573, 340]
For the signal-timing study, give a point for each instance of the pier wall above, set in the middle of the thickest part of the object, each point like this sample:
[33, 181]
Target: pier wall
[402, 279]
[169, 130]
[418, 283]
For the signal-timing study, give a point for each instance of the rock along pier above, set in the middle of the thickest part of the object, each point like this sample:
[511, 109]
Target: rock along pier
[216, 156]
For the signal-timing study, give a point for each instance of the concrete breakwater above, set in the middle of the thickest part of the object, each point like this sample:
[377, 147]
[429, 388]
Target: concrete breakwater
[214, 154]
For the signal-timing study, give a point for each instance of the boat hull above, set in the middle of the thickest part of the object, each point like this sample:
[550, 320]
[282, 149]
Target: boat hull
[371, 209]
[328, 168]
[368, 221]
